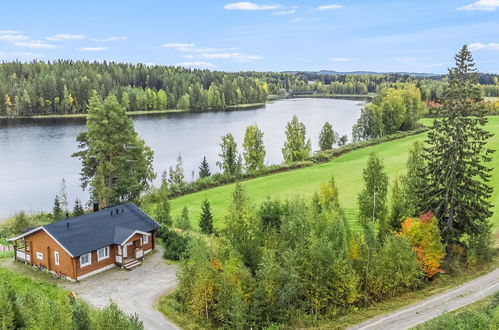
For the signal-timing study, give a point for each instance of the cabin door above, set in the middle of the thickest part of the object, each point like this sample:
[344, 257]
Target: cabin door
[125, 252]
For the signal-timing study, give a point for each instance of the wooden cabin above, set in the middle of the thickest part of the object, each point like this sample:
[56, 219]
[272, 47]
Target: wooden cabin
[75, 248]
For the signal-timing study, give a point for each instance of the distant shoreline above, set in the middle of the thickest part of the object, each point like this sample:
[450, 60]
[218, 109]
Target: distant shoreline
[229, 108]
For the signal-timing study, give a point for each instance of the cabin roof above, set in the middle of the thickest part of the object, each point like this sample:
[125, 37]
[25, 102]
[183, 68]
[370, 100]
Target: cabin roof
[92, 231]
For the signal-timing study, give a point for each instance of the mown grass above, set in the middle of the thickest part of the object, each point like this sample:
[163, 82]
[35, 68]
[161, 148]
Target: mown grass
[346, 169]
[22, 283]
[443, 320]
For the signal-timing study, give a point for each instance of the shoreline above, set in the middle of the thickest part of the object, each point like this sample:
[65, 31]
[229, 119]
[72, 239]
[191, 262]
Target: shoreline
[245, 106]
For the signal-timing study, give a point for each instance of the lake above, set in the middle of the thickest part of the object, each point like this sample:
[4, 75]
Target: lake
[36, 153]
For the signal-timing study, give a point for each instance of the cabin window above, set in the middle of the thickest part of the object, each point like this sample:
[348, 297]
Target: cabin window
[39, 256]
[85, 259]
[146, 239]
[103, 253]
[56, 258]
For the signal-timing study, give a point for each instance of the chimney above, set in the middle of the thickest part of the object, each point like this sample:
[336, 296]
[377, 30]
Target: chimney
[96, 207]
[67, 225]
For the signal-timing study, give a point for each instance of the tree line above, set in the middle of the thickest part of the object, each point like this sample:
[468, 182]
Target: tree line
[65, 87]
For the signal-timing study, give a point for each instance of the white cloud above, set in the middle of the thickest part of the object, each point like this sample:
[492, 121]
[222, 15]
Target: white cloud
[92, 49]
[328, 7]
[486, 5]
[13, 37]
[250, 6]
[199, 64]
[481, 46]
[284, 12]
[340, 59]
[35, 44]
[108, 39]
[177, 45]
[304, 19]
[238, 57]
[10, 32]
[189, 47]
[65, 37]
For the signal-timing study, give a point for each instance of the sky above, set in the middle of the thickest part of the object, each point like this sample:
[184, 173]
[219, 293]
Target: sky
[311, 35]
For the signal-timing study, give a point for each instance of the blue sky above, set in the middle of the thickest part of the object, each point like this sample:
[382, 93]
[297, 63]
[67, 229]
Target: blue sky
[342, 35]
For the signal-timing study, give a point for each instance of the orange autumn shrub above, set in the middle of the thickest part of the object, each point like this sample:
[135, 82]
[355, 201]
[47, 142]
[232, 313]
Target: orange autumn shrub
[424, 235]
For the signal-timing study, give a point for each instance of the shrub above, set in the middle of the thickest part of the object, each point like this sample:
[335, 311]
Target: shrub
[175, 244]
[424, 235]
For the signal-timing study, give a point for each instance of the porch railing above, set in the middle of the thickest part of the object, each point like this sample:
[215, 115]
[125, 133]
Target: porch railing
[139, 254]
[21, 255]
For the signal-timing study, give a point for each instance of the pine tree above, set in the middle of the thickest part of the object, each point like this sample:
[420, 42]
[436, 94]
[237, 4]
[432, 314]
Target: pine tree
[206, 220]
[372, 199]
[327, 137]
[457, 188]
[204, 169]
[57, 211]
[78, 209]
[254, 149]
[116, 164]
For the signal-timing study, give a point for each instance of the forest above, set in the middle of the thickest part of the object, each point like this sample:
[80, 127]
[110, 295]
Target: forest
[64, 87]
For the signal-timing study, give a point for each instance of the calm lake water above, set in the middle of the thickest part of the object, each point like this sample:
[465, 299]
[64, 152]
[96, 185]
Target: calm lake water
[36, 153]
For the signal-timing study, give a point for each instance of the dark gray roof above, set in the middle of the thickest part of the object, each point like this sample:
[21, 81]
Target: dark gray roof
[96, 230]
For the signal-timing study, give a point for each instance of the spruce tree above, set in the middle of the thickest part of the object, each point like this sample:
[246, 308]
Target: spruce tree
[457, 189]
[206, 220]
[372, 199]
[183, 222]
[78, 209]
[204, 169]
[57, 211]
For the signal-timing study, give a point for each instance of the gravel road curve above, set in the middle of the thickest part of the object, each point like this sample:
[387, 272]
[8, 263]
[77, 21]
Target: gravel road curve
[452, 299]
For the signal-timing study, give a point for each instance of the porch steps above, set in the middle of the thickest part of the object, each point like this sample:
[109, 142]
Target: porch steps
[131, 264]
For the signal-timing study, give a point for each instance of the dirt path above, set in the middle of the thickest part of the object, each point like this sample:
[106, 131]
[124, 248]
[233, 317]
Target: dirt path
[135, 291]
[425, 310]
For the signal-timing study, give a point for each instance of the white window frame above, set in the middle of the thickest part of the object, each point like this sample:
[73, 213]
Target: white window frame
[89, 255]
[106, 253]
[57, 258]
[39, 255]
[145, 239]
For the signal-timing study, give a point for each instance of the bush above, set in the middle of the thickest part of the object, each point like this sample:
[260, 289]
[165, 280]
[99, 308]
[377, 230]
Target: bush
[176, 245]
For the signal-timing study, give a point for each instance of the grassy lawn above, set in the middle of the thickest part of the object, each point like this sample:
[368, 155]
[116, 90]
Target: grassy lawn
[443, 320]
[347, 170]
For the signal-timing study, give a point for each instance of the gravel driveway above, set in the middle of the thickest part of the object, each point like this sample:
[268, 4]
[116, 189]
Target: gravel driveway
[433, 306]
[135, 291]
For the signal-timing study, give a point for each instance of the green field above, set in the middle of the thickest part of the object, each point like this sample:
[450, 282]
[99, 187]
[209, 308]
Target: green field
[346, 169]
